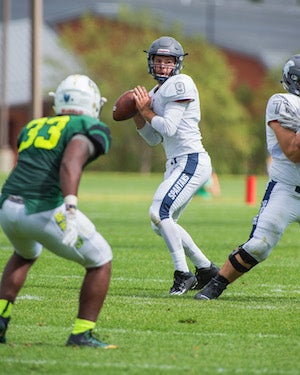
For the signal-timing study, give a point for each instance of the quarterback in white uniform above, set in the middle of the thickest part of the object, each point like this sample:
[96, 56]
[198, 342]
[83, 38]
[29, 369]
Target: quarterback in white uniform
[169, 114]
[281, 203]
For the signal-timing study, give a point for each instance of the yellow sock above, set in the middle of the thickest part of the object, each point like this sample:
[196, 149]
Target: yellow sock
[5, 308]
[82, 325]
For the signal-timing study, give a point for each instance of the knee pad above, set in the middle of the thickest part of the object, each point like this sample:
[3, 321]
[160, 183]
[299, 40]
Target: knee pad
[246, 257]
[259, 247]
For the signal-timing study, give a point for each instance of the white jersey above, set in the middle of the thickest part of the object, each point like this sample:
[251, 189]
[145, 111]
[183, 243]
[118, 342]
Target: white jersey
[284, 108]
[177, 106]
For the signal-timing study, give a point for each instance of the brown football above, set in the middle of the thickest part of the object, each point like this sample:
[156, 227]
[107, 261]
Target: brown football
[124, 107]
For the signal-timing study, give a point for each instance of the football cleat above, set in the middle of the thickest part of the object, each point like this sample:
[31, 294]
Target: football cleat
[212, 290]
[183, 281]
[204, 275]
[3, 328]
[87, 339]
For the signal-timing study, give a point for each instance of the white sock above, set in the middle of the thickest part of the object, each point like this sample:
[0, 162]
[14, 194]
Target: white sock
[171, 235]
[192, 251]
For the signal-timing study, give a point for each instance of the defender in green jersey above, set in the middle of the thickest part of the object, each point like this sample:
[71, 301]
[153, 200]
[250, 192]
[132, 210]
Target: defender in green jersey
[38, 205]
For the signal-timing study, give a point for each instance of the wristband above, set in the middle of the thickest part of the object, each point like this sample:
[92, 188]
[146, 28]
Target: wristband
[71, 201]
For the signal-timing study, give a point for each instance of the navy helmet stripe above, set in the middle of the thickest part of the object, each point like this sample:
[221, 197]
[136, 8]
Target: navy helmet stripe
[178, 185]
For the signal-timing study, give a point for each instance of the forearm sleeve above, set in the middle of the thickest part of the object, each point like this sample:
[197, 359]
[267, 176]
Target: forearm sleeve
[151, 136]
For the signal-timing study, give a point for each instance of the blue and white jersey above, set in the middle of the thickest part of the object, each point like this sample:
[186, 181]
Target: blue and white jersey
[285, 108]
[177, 106]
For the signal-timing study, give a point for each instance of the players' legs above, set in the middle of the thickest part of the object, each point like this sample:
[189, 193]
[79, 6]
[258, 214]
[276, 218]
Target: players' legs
[162, 220]
[16, 270]
[93, 292]
[12, 280]
[278, 210]
[163, 223]
[91, 299]
[182, 180]
[192, 251]
[94, 253]
[91, 251]
[171, 235]
[26, 251]
[14, 276]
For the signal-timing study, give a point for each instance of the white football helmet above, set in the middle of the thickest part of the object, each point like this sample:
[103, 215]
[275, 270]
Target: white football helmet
[78, 94]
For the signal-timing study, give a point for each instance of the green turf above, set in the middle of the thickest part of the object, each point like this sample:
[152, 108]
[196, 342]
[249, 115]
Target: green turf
[254, 328]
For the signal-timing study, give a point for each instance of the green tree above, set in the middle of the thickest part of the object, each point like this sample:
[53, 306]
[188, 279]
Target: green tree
[257, 107]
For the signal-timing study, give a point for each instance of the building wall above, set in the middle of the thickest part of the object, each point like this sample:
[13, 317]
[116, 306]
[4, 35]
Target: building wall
[19, 116]
[247, 69]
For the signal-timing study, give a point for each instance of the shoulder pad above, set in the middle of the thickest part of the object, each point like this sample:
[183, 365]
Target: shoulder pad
[180, 87]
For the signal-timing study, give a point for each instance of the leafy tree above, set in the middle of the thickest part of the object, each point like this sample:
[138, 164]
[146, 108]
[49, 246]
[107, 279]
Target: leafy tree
[256, 107]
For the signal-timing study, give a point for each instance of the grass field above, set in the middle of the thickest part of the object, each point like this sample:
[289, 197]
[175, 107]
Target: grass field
[254, 328]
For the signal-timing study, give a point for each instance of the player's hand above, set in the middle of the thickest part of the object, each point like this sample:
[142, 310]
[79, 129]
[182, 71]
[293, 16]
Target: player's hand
[143, 103]
[142, 98]
[71, 231]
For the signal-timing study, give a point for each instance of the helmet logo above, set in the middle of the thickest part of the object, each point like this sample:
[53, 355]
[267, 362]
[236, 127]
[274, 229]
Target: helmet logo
[287, 66]
[78, 94]
[291, 75]
[294, 77]
[163, 51]
[67, 97]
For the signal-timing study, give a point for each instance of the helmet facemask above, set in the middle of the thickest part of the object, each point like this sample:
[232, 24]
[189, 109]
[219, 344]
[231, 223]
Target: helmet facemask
[163, 77]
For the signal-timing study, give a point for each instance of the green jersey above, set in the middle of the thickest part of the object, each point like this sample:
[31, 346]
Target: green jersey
[41, 146]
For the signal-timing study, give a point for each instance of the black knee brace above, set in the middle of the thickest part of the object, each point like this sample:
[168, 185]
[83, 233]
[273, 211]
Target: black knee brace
[247, 258]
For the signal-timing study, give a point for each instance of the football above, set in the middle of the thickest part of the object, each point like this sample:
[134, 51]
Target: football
[124, 107]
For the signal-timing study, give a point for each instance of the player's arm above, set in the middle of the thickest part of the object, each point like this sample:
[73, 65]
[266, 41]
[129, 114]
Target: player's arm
[168, 124]
[288, 140]
[75, 157]
[151, 136]
[139, 120]
[144, 117]
[76, 154]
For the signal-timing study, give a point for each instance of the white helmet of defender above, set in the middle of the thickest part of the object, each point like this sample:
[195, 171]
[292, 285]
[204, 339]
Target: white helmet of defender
[78, 94]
